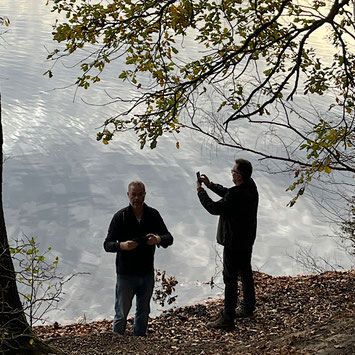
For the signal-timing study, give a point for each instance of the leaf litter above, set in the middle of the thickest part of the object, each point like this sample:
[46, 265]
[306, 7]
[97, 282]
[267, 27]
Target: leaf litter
[305, 314]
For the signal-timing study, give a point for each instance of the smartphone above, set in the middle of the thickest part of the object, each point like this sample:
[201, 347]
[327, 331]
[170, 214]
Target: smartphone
[198, 175]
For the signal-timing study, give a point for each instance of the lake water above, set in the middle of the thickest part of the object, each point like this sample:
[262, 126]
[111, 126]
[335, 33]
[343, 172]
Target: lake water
[63, 187]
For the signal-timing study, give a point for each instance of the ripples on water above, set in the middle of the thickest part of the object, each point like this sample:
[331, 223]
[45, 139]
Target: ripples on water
[63, 187]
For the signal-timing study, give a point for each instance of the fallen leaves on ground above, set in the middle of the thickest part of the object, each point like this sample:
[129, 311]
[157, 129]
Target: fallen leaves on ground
[304, 314]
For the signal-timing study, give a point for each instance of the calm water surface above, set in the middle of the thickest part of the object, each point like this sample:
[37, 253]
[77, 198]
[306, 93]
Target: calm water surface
[63, 187]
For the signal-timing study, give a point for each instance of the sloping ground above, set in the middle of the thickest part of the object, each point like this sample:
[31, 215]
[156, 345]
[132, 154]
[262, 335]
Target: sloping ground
[313, 314]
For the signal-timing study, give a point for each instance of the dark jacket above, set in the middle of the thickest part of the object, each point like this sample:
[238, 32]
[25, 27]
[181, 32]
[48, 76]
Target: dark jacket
[125, 226]
[238, 213]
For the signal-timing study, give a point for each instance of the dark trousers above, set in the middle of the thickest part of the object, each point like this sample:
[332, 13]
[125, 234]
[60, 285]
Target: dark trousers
[237, 264]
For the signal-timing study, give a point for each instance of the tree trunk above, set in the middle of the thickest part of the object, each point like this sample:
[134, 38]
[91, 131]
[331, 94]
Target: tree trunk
[16, 335]
[13, 321]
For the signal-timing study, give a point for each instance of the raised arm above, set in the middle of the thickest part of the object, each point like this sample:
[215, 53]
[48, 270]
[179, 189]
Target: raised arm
[218, 189]
[223, 206]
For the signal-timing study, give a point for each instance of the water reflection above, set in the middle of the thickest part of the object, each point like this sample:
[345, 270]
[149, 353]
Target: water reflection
[63, 187]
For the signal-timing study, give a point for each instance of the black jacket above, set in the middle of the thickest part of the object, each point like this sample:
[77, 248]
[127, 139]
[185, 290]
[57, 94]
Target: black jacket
[238, 213]
[125, 226]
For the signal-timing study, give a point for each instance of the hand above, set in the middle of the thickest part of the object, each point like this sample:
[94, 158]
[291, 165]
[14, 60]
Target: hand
[128, 245]
[153, 239]
[206, 180]
[198, 186]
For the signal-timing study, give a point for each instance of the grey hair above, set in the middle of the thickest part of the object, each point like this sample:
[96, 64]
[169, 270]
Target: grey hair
[136, 183]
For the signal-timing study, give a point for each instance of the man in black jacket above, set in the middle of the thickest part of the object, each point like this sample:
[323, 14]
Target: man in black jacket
[236, 232]
[133, 234]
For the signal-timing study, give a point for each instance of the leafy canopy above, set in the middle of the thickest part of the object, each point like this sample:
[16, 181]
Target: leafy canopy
[250, 56]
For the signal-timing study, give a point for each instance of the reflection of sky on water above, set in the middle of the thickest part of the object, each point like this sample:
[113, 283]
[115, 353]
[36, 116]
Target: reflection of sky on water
[63, 187]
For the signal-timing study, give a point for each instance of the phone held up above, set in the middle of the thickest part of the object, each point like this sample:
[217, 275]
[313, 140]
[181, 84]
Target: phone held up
[198, 175]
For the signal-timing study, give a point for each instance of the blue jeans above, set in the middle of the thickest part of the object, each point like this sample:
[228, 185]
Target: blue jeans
[128, 286]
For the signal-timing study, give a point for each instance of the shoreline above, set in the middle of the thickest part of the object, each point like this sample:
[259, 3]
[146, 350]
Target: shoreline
[295, 314]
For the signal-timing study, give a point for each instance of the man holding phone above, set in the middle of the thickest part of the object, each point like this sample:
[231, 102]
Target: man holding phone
[236, 231]
[133, 234]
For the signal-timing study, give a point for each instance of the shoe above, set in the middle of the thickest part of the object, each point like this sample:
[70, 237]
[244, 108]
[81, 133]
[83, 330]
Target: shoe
[243, 313]
[117, 333]
[222, 323]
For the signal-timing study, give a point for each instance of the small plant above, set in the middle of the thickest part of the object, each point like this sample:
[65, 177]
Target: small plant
[347, 227]
[4, 21]
[165, 286]
[40, 287]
